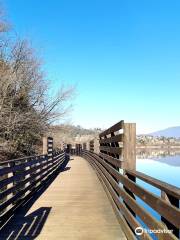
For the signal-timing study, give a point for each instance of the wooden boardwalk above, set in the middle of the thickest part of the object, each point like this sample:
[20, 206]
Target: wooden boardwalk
[69, 202]
[74, 206]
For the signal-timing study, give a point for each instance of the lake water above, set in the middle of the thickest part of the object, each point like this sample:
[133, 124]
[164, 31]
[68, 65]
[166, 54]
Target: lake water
[162, 165]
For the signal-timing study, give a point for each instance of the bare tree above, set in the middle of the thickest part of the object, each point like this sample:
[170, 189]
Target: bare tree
[26, 109]
[4, 25]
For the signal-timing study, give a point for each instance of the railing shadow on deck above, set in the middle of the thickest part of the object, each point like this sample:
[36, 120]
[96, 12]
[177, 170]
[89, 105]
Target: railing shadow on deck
[66, 169]
[21, 226]
[26, 227]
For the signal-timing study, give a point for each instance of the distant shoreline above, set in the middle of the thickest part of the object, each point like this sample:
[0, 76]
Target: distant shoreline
[172, 147]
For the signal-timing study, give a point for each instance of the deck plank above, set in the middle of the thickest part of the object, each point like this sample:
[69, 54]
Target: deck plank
[74, 207]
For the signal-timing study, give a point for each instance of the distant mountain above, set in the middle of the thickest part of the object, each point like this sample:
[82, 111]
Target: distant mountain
[168, 132]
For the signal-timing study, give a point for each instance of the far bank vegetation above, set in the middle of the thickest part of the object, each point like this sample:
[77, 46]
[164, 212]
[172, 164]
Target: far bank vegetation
[72, 134]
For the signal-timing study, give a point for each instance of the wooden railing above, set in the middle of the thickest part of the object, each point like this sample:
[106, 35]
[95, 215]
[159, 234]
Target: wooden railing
[74, 150]
[116, 167]
[20, 178]
[91, 146]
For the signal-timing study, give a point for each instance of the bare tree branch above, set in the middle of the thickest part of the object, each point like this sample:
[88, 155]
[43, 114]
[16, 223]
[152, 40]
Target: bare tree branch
[26, 109]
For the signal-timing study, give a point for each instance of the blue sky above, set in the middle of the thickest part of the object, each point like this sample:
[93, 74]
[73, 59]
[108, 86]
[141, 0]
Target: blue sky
[124, 56]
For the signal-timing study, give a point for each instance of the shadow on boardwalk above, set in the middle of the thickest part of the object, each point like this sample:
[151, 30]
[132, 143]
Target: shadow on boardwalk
[28, 227]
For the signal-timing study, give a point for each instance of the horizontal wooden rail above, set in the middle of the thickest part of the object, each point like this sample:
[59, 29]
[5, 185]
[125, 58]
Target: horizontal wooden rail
[112, 129]
[162, 207]
[19, 178]
[20, 165]
[168, 188]
[124, 201]
[115, 163]
[29, 179]
[29, 158]
[116, 138]
[113, 150]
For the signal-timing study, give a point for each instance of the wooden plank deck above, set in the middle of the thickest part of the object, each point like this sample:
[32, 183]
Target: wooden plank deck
[74, 206]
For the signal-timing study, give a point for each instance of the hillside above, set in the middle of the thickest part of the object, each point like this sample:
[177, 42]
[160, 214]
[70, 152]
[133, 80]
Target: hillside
[168, 132]
[72, 134]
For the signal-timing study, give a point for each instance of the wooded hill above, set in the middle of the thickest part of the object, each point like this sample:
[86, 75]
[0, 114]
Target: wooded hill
[72, 134]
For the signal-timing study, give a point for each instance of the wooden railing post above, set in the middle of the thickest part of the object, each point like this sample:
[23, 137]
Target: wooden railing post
[50, 147]
[84, 146]
[44, 145]
[69, 149]
[88, 146]
[78, 149]
[174, 202]
[129, 146]
[91, 145]
[96, 146]
[129, 153]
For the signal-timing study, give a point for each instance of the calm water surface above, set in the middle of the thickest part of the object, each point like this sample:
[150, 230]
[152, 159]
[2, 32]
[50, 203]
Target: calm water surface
[164, 166]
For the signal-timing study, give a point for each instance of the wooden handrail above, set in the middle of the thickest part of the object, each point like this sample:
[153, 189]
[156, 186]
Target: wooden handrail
[165, 209]
[166, 187]
[21, 177]
[116, 138]
[115, 164]
[19, 159]
[114, 128]
[162, 207]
